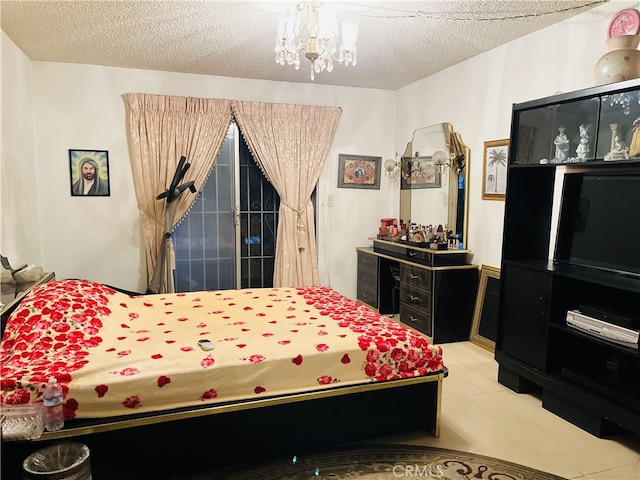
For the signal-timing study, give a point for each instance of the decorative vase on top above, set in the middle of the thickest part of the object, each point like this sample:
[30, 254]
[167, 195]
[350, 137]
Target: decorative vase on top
[621, 62]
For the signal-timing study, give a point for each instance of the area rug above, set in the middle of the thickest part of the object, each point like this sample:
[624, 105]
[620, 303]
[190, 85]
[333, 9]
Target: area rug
[386, 462]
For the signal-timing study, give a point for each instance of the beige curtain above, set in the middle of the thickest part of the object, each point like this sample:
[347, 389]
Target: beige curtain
[290, 143]
[161, 129]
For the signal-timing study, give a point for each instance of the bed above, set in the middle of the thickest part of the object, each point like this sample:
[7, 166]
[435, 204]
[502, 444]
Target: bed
[132, 361]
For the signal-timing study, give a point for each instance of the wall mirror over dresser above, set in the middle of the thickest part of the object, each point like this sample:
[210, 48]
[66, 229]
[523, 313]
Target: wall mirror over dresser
[434, 175]
[420, 281]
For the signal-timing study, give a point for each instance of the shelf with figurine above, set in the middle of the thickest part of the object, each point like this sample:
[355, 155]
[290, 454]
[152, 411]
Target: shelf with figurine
[600, 124]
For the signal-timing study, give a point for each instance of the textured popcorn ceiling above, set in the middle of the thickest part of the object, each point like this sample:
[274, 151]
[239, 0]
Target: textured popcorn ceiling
[399, 42]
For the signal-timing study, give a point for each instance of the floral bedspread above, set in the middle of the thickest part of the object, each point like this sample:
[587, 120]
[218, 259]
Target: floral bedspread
[115, 354]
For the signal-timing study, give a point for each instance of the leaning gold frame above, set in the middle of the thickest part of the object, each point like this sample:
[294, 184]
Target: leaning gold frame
[486, 272]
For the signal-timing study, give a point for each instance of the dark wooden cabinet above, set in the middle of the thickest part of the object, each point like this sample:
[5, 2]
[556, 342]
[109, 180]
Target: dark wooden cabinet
[453, 298]
[416, 297]
[368, 279]
[588, 380]
[432, 291]
[527, 293]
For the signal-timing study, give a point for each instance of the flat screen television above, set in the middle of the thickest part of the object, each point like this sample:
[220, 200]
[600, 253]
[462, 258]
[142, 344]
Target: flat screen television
[599, 222]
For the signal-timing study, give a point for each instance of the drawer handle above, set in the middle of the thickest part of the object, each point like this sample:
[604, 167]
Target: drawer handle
[365, 295]
[415, 299]
[413, 319]
[542, 305]
[414, 276]
[366, 277]
[366, 260]
[412, 254]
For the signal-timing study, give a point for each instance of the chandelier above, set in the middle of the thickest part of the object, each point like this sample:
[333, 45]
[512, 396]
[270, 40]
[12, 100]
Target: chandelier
[456, 162]
[312, 30]
[407, 167]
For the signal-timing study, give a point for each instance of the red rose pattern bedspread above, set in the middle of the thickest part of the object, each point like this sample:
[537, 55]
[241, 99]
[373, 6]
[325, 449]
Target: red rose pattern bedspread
[115, 354]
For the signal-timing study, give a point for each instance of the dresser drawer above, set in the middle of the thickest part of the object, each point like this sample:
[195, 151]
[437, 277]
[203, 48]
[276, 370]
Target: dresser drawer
[418, 319]
[415, 276]
[368, 295]
[367, 278]
[368, 261]
[415, 297]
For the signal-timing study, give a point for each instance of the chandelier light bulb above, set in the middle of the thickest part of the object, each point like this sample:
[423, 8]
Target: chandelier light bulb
[327, 23]
[392, 167]
[440, 160]
[349, 33]
[439, 157]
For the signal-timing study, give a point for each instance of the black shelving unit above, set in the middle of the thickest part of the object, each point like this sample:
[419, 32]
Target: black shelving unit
[592, 382]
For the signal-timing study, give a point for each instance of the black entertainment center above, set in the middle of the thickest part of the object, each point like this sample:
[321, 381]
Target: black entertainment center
[571, 251]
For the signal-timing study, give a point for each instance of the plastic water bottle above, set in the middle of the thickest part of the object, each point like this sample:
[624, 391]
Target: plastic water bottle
[54, 415]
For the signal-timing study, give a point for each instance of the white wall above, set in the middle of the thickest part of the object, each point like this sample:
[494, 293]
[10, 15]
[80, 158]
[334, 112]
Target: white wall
[65, 106]
[20, 225]
[98, 238]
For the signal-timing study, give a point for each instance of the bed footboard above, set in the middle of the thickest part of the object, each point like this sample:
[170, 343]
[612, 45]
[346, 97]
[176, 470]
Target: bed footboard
[268, 428]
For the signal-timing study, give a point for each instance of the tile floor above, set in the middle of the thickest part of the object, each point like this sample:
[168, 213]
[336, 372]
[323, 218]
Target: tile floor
[480, 415]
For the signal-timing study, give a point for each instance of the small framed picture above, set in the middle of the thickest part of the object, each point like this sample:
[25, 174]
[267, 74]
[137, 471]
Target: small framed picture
[419, 172]
[494, 169]
[89, 173]
[358, 171]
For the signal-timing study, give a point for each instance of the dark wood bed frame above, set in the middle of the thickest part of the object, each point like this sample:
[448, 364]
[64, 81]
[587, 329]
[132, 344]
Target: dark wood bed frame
[171, 444]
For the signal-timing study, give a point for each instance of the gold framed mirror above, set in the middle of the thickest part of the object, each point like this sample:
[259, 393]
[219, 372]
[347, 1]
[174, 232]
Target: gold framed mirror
[434, 186]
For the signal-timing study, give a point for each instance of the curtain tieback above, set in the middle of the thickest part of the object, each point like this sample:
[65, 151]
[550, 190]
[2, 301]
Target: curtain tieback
[301, 231]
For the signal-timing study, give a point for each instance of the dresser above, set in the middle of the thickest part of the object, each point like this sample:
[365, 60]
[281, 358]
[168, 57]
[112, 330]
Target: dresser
[368, 278]
[432, 291]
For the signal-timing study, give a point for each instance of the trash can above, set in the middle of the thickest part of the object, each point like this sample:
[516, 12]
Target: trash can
[62, 461]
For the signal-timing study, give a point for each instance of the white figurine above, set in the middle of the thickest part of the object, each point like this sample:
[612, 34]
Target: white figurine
[583, 146]
[619, 151]
[562, 146]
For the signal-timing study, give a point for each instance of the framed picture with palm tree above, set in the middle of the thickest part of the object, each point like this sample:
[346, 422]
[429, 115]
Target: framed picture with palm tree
[494, 169]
